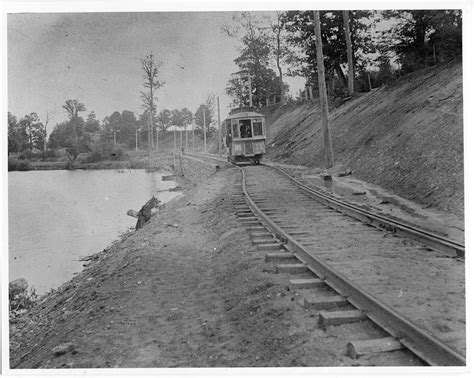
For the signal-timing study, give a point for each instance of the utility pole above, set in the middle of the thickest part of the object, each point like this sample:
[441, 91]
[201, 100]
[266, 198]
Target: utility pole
[157, 129]
[192, 127]
[350, 73]
[219, 125]
[204, 129]
[329, 156]
[174, 151]
[186, 135]
[136, 140]
[115, 139]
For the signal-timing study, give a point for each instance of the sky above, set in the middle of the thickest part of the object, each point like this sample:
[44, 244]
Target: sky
[95, 58]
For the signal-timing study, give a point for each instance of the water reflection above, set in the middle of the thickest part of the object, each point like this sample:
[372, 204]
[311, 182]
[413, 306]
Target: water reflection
[55, 217]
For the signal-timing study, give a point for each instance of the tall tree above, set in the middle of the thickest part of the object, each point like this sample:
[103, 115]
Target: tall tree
[150, 68]
[17, 136]
[73, 107]
[281, 50]
[72, 136]
[299, 25]
[187, 116]
[253, 62]
[34, 130]
[204, 110]
[423, 37]
[164, 119]
[350, 64]
[92, 124]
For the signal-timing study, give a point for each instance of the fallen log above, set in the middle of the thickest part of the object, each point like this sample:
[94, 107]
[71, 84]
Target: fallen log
[144, 214]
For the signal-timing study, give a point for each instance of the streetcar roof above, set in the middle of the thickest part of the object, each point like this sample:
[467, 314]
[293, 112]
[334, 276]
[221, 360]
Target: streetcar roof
[245, 115]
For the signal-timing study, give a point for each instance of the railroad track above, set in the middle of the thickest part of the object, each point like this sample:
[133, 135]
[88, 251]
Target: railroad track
[351, 273]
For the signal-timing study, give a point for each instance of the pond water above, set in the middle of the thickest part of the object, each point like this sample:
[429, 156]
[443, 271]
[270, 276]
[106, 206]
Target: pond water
[56, 217]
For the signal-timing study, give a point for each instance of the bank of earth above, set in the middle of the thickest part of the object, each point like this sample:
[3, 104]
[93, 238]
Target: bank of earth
[189, 289]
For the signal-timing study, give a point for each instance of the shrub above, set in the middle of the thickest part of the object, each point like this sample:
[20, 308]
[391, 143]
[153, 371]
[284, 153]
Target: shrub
[18, 165]
[101, 152]
[22, 300]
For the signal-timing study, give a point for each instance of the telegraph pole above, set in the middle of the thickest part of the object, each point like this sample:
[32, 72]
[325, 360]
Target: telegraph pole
[157, 129]
[329, 156]
[219, 125]
[192, 127]
[186, 135]
[204, 129]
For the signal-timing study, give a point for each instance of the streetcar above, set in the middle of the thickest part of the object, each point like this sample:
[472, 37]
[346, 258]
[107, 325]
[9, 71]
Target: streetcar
[245, 136]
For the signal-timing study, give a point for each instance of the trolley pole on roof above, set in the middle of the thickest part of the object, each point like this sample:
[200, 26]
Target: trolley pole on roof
[219, 125]
[250, 88]
[329, 157]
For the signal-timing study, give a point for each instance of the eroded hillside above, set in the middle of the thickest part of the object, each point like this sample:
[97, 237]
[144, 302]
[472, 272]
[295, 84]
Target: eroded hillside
[406, 136]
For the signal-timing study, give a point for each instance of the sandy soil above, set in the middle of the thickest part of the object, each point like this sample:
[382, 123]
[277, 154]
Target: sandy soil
[187, 290]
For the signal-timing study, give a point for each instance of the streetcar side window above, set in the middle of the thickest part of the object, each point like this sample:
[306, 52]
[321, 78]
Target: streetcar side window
[257, 127]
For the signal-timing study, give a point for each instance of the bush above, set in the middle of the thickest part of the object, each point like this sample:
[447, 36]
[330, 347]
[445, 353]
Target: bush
[36, 155]
[101, 152]
[48, 154]
[18, 165]
[22, 300]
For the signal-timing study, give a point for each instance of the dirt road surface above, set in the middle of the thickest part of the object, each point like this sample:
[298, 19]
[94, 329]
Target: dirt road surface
[187, 290]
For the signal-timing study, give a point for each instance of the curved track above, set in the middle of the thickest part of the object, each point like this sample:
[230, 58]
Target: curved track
[416, 295]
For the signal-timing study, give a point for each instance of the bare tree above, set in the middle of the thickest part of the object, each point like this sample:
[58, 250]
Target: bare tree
[47, 118]
[150, 68]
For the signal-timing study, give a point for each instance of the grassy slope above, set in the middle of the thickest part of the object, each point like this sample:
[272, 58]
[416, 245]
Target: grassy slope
[406, 136]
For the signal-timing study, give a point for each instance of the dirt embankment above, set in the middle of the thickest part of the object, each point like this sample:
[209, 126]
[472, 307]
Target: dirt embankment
[188, 289]
[406, 137]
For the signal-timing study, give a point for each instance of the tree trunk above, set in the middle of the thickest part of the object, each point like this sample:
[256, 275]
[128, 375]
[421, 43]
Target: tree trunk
[280, 72]
[219, 126]
[329, 158]
[340, 74]
[347, 32]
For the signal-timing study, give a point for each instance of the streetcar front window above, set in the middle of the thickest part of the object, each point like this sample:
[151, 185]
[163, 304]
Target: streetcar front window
[257, 127]
[245, 128]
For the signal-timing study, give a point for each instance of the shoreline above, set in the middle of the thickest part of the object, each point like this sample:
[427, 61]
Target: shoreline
[132, 162]
[189, 289]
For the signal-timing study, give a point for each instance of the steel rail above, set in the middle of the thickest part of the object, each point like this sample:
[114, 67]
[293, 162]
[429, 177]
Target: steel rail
[418, 341]
[434, 241]
[450, 247]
